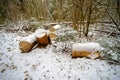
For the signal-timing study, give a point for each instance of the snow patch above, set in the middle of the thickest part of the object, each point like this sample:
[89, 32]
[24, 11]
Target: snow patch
[31, 38]
[46, 64]
[90, 34]
[8, 41]
[90, 47]
[40, 32]
[57, 27]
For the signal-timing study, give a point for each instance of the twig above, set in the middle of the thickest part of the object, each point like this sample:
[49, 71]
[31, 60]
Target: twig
[117, 25]
[110, 33]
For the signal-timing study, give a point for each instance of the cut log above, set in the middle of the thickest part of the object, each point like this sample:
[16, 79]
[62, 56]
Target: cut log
[25, 46]
[53, 36]
[56, 27]
[80, 53]
[42, 37]
[52, 29]
[90, 50]
[43, 41]
[27, 43]
[95, 55]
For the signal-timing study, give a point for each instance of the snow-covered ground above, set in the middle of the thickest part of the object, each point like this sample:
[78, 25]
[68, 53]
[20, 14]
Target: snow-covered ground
[49, 63]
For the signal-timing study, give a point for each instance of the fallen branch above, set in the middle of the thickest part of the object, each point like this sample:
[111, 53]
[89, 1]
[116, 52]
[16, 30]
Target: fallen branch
[117, 25]
[110, 33]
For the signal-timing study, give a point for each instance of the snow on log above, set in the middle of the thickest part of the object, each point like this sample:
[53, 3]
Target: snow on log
[53, 24]
[90, 50]
[56, 27]
[42, 37]
[27, 43]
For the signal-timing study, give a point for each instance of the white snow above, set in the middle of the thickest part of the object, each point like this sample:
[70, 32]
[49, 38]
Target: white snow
[90, 34]
[89, 46]
[40, 33]
[57, 26]
[8, 41]
[31, 38]
[49, 63]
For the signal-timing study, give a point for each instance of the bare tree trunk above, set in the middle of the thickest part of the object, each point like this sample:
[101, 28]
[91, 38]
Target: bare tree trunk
[46, 13]
[75, 14]
[81, 17]
[85, 14]
[89, 17]
[13, 9]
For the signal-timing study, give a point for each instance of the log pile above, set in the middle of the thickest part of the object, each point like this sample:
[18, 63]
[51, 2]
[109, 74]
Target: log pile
[40, 37]
[90, 50]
